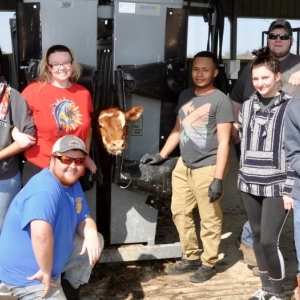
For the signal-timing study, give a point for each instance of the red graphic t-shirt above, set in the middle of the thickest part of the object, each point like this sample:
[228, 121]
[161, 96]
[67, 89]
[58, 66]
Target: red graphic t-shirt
[56, 112]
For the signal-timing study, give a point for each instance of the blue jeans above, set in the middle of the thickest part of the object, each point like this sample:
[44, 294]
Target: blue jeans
[9, 188]
[246, 235]
[297, 230]
[77, 272]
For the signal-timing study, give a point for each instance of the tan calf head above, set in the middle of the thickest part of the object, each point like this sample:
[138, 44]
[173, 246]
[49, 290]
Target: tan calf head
[113, 123]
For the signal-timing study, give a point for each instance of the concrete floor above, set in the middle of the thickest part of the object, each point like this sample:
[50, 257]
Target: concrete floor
[234, 280]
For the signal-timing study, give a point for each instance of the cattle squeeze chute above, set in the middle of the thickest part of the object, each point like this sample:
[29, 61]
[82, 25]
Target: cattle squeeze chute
[133, 56]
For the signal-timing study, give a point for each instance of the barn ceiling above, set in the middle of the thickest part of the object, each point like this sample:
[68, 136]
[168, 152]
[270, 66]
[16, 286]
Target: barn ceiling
[289, 9]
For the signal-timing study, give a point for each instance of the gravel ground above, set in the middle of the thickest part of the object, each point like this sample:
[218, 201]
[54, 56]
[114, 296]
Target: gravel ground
[234, 280]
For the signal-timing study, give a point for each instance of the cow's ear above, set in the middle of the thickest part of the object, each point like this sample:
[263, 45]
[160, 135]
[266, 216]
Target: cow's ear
[134, 113]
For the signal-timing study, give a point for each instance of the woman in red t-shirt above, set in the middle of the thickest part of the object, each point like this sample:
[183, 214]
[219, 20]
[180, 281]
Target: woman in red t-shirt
[59, 107]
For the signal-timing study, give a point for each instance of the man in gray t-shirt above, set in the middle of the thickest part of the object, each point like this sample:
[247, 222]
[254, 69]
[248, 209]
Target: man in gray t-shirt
[279, 41]
[199, 116]
[202, 129]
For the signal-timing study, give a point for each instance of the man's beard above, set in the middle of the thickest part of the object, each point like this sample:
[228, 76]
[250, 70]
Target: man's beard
[278, 55]
[67, 182]
[281, 54]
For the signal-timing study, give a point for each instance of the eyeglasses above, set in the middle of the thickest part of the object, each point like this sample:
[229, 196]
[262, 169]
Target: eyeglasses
[282, 36]
[66, 160]
[66, 65]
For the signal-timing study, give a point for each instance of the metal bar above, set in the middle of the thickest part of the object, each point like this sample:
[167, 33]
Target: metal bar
[263, 37]
[298, 42]
[194, 4]
[138, 252]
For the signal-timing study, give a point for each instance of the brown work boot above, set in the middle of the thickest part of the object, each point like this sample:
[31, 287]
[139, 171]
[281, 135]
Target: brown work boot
[296, 294]
[248, 253]
[4, 291]
[255, 271]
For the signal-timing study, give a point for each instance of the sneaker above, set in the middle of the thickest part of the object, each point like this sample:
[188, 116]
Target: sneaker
[203, 274]
[184, 266]
[248, 253]
[261, 295]
[278, 298]
[4, 291]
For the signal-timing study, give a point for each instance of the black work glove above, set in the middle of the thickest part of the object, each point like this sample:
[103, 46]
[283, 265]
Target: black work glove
[151, 159]
[215, 190]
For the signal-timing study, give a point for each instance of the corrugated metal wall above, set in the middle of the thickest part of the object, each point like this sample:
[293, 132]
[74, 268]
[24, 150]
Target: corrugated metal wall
[289, 9]
[7, 4]
[265, 8]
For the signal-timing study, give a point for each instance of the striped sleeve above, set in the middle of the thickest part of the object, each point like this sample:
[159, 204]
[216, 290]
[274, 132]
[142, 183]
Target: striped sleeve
[289, 183]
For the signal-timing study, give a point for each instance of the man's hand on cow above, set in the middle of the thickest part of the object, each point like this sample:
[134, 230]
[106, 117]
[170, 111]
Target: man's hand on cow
[91, 165]
[295, 78]
[91, 244]
[46, 280]
[151, 159]
[215, 190]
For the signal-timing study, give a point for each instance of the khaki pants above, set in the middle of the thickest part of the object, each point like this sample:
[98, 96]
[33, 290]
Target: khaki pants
[190, 189]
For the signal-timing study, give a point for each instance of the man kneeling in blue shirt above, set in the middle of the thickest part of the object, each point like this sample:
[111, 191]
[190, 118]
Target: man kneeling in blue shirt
[48, 229]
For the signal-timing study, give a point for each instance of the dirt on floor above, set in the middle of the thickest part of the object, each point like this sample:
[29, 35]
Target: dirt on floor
[234, 279]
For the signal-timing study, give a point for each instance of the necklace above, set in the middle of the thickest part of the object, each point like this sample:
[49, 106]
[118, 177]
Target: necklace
[210, 90]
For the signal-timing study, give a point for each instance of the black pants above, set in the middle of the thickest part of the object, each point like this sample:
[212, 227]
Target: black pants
[267, 218]
[29, 170]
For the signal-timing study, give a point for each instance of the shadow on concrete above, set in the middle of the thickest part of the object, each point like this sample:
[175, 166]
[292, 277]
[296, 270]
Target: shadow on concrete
[123, 280]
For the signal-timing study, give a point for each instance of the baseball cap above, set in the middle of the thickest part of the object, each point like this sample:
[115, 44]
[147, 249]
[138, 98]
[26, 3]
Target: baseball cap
[69, 142]
[282, 23]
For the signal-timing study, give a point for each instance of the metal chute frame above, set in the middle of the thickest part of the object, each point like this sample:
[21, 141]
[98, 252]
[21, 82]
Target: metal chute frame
[215, 18]
[150, 80]
[129, 78]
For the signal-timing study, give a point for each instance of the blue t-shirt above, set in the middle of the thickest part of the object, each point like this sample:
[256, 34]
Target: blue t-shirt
[42, 198]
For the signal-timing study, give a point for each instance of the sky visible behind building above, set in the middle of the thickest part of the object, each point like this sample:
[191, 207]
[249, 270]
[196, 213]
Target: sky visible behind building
[5, 37]
[249, 34]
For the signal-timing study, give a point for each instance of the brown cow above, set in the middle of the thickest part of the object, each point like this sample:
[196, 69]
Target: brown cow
[113, 123]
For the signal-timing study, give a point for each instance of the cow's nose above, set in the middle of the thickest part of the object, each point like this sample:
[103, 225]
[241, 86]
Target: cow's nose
[118, 143]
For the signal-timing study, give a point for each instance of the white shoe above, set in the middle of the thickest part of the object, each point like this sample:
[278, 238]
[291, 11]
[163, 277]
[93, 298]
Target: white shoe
[260, 295]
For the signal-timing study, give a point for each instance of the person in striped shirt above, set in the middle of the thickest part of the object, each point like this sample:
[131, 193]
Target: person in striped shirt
[265, 179]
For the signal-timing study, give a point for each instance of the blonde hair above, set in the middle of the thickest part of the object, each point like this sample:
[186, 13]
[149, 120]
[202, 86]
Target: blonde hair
[43, 73]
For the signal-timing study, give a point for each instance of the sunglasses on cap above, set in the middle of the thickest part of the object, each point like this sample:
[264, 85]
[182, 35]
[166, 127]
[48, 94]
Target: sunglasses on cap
[66, 160]
[282, 36]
